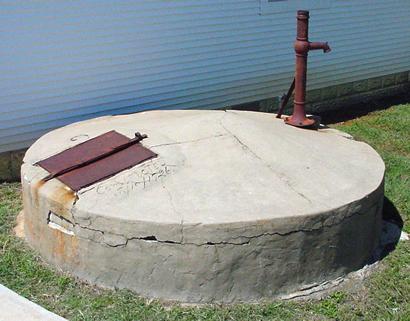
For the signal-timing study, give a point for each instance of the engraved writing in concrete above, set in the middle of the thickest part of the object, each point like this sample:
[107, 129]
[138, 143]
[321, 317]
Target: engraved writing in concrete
[148, 173]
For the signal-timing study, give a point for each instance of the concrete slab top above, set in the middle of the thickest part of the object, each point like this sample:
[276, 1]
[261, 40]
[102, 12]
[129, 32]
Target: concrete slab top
[217, 168]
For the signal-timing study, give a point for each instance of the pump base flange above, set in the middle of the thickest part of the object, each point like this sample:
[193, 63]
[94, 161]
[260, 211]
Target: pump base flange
[310, 122]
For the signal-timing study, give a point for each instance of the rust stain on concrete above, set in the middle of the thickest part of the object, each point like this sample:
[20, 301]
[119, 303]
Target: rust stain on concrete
[19, 228]
[35, 192]
[60, 198]
[65, 247]
[64, 195]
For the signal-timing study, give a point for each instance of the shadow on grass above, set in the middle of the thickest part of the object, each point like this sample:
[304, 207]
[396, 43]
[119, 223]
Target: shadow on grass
[353, 111]
[348, 112]
[392, 226]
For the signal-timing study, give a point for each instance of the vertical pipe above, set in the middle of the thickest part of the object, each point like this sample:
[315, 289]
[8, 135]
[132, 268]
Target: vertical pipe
[301, 65]
[301, 49]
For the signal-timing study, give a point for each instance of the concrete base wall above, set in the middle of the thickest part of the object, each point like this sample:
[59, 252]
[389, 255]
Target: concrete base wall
[246, 225]
[263, 268]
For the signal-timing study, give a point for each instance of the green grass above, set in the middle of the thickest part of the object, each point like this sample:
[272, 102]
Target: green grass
[384, 296]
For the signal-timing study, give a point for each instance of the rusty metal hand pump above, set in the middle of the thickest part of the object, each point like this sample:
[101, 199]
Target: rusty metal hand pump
[302, 47]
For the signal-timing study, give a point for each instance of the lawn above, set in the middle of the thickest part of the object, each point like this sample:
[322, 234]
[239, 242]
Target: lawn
[385, 295]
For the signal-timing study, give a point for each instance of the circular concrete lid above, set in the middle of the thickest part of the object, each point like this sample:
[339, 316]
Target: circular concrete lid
[217, 171]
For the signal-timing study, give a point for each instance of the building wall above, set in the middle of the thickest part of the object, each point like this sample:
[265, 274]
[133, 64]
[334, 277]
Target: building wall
[64, 61]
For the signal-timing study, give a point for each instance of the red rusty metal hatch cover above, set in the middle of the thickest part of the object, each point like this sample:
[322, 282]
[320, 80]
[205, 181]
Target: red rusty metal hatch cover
[96, 159]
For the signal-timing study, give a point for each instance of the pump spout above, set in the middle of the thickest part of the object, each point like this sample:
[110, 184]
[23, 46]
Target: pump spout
[320, 46]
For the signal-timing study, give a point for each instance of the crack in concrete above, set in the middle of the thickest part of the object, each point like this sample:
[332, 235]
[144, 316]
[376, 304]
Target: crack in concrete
[286, 180]
[248, 239]
[76, 198]
[175, 210]
[281, 176]
[189, 141]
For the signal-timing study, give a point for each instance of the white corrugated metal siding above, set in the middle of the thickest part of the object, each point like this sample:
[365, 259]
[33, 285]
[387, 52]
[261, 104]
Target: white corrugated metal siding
[63, 61]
